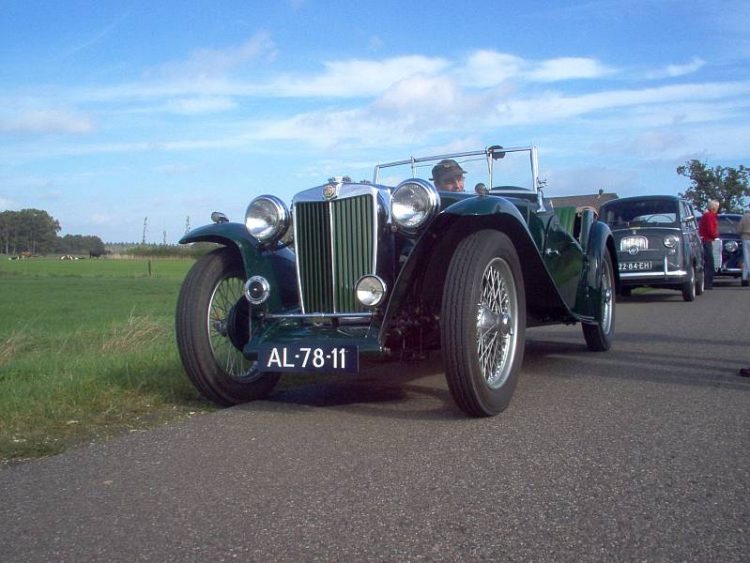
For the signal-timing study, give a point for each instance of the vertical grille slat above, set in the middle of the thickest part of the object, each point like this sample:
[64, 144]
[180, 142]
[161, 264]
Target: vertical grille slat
[335, 247]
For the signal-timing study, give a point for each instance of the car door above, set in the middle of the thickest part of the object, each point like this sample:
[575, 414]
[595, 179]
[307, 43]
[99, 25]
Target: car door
[563, 257]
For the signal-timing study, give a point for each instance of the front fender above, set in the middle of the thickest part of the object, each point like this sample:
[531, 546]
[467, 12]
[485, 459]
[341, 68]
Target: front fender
[275, 263]
[421, 280]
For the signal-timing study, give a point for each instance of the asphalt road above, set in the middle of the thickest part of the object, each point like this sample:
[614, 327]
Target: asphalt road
[641, 453]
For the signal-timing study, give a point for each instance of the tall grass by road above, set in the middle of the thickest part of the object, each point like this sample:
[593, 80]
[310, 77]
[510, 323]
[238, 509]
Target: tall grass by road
[87, 351]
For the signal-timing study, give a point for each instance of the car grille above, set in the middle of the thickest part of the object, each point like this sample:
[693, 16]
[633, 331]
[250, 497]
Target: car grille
[335, 245]
[633, 242]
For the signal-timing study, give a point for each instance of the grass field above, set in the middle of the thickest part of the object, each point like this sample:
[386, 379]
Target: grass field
[87, 351]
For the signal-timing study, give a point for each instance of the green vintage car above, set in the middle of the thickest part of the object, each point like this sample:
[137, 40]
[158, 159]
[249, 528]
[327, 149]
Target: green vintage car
[395, 268]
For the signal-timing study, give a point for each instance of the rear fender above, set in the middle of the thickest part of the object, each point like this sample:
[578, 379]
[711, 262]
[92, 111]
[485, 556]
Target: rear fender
[275, 263]
[599, 242]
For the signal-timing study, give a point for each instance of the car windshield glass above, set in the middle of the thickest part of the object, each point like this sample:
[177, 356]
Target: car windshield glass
[728, 225]
[643, 213]
[511, 171]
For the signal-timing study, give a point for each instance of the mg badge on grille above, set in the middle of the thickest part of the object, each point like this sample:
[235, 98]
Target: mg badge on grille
[329, 191]
[633, 250]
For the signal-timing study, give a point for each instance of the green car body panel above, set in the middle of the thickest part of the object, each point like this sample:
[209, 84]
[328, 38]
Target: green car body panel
[561, 288]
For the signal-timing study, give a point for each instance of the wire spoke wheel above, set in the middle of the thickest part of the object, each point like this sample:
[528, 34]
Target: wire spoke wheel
[225, 296]
[496, 315]
[599, 334]
[212, 327]
[483, 323]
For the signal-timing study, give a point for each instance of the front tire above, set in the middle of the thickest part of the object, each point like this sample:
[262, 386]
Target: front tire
[700, 281]
[212, 314]
[483, 323]
[599, 335]
[688, 287]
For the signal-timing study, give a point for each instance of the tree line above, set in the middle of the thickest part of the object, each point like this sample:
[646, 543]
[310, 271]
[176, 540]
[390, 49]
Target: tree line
[34, 232]
[729, 186]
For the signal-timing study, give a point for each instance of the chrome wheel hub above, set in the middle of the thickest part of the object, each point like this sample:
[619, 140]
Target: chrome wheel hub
[496, 323]
[226, 294]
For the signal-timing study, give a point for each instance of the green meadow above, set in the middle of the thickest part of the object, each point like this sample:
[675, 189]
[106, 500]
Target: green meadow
[87, 351]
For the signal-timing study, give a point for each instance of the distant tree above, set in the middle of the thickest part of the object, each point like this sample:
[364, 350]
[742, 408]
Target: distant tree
[28, 230]
[729, 186]
[8, 229]
[79, 244]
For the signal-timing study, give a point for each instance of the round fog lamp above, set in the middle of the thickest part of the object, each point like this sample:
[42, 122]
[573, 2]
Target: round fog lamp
[257, 290]
[370, 290]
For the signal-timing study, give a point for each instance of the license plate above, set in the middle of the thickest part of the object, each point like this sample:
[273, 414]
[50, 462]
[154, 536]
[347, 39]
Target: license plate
[635, 266]
[324, 358]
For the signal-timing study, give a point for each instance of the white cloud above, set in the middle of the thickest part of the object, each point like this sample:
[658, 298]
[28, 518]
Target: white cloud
[207, 64]
[554, 106]
[204, 104]
[567, 68]
[421, 93]
[219, 76]
[6, 204]
[485, 68]
[48, 121]
[420, 107]
[357, 77]
[674, 70]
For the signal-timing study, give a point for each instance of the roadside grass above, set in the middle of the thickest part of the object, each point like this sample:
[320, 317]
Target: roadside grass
[87, 351]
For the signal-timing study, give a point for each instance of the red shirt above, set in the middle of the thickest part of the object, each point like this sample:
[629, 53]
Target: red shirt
[708, 228]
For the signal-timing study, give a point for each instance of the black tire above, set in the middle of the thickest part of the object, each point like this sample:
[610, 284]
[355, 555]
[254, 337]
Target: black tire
[599, 335]
[688, 286]
[483, 323]
[700, 282]
[211, 313]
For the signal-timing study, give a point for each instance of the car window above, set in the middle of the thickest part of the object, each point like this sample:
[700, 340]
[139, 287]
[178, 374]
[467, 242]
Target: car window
[641, 213]
[728, 225]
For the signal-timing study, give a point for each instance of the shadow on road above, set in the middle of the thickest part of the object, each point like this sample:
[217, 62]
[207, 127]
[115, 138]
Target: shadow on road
[409, 390]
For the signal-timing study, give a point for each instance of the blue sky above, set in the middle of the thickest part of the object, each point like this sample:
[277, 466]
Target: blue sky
[111, 112]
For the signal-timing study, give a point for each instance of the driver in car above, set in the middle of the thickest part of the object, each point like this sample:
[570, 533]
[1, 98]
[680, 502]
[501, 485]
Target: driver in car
[448, 176]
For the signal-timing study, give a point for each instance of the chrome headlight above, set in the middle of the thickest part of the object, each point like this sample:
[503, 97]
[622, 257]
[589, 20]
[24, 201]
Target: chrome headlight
[671, 241]
[413, 203]
[267, 218]
[731, 246]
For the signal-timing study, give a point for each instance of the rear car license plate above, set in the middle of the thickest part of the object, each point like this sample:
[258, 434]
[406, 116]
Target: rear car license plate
[635, 266]
[324, 358]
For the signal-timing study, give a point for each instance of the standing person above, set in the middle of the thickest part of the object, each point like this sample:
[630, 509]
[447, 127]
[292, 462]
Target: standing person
[448, 176]
[708, 228]
[743, 229]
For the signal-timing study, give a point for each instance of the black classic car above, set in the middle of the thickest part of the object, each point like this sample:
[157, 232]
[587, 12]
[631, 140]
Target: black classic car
[394, 268]
[657, 241]
[728, 247]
